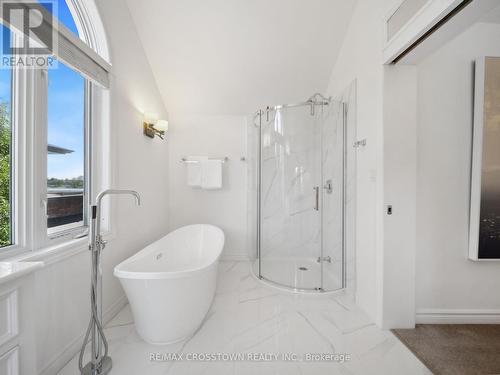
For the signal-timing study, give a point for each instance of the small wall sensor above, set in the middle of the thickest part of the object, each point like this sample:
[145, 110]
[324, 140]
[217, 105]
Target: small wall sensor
[389, 210]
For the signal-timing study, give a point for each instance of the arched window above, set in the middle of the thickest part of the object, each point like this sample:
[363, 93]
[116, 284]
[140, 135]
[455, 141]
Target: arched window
[82, 19]
[61, 10]
[49, 117]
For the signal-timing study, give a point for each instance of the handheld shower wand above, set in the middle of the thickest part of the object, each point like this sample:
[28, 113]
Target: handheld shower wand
[100, 363]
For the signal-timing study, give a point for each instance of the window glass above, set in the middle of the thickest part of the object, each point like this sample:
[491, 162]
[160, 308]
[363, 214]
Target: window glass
[60, 8]
[65, 149]
[6, 218]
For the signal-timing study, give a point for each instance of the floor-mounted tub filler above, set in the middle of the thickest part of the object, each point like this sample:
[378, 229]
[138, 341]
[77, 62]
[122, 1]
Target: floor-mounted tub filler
[100, 363]
[171, 283]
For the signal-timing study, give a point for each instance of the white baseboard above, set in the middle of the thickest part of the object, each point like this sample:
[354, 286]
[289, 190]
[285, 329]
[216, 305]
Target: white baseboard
[457, 316]
[73, 348]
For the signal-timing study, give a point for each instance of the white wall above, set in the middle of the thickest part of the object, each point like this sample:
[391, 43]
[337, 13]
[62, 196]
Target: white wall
[447, 282]
[62, 288]
[360, 59]
[400, 122]
[212, 136]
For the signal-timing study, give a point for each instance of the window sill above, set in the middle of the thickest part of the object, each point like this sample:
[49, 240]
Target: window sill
[54, 254]
[57, 253]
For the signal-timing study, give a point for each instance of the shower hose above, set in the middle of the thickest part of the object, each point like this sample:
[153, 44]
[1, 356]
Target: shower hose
[94, 322]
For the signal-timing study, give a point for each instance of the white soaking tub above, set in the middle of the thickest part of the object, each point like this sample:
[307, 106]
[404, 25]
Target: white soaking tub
[170, 284]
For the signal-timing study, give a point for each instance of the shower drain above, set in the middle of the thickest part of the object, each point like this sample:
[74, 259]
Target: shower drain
[302, 268]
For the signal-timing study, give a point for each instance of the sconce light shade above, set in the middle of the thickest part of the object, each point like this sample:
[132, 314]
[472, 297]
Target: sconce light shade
[154, 126]
[150, 118]
[162, 125]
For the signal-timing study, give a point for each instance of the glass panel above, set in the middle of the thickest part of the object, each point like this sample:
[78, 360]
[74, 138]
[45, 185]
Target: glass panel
[290, 223]
[60, 9]
[6, 181]
[333, 195]
[405, 12]
[66, 149]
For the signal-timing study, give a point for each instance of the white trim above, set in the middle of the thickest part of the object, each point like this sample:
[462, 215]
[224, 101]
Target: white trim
[458, 316]
[60, 360]
[54, 254]
[39, 160]
[429, 15]
[103, 159]
[89, 25]
[12, 316]
[59, 252]
[82, 58]
[11, 358]
[83, 46]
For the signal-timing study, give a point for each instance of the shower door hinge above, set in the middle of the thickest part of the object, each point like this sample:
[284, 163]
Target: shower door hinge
[359, 143]
[328, 186]
[324, 259]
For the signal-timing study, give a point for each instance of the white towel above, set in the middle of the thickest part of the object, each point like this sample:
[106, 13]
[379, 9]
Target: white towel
[194, 170]
[211, 174]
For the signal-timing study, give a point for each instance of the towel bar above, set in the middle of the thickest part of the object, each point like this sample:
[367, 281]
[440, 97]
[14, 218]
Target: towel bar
[223, 160]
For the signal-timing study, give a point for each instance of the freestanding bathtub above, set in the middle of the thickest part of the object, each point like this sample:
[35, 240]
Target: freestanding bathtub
[170, 284]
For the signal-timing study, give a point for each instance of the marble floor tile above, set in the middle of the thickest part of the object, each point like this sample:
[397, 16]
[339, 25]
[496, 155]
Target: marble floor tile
[251, 319]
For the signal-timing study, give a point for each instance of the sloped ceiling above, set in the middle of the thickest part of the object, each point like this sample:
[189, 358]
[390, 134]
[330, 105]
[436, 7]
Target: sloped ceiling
[235, 56]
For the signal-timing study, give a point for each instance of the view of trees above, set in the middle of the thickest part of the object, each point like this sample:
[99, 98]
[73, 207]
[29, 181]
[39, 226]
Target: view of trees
[4, 175]
[68, 183]
[5, 162]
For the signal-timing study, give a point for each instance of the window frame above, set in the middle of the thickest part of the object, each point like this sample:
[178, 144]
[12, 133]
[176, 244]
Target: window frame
[22, 165]
[43, 236]
[63, 234]
[13, 159]
[29, 125]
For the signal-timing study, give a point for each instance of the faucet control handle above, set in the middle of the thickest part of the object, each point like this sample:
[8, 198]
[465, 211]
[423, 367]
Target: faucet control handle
[99, 244]
[102, 243]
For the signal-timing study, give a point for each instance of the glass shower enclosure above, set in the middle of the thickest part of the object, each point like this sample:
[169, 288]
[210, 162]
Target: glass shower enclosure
[301, 174]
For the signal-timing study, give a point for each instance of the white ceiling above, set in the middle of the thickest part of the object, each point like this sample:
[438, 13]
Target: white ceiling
[235, 56]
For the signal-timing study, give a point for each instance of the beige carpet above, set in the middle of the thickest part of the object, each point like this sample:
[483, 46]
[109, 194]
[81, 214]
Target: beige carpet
[455, 349]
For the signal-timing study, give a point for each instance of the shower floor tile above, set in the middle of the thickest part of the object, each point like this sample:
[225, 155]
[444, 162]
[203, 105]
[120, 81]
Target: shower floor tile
[300, 273]
[250, 318]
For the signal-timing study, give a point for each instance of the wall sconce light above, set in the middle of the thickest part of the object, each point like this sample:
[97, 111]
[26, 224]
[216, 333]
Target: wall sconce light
[153, 126]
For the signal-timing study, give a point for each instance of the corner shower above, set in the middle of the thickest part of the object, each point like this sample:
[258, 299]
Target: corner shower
[301, 175]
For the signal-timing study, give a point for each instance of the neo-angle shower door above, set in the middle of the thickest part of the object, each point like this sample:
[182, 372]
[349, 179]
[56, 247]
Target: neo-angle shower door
[301, 197]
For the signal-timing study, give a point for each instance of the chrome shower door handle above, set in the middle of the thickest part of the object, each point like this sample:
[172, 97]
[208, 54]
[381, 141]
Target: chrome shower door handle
[316, 198]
